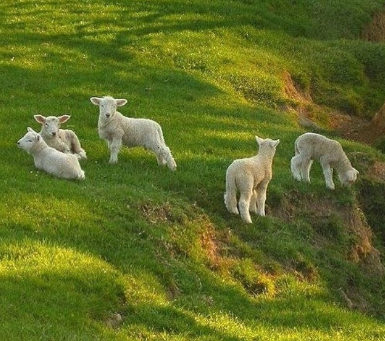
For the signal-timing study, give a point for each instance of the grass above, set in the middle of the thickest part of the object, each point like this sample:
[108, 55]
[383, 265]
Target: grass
[159, 248]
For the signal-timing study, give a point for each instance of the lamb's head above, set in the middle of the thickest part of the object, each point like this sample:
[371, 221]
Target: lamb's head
[267, 146]
[28, 141]
[349, 177]
[51, 124]
[107, 105]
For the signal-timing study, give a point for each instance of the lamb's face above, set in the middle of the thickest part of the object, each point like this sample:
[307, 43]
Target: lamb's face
[349, 177]
[51, 126]
[107, 106]
[28, 140]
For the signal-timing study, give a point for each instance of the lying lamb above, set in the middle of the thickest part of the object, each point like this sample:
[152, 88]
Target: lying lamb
[250, 176]
[311, 146]
[117, 129]
[64, 140]
[49, 159]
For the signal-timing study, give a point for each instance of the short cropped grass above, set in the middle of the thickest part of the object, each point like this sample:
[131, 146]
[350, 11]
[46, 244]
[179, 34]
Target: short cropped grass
[136, 252]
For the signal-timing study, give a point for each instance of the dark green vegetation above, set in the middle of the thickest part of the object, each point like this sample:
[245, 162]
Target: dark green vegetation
[136, 252]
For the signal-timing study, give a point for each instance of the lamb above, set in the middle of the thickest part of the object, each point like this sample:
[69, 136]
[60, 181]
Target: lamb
[117, 129]
[64, 140]
[250, 176]
[50, 160]
[311, 146]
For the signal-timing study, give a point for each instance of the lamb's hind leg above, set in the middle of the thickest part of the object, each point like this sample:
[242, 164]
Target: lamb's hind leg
[253, 202]
[171, 164]
[77, 148]
[261, 197]
[163, 155]
[295, 167]
[244, 205]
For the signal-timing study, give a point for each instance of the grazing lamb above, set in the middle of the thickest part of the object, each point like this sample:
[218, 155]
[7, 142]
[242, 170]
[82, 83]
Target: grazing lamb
[62, 165]
[64, 140]
[250, 176]
[117, 129]
[311, 146]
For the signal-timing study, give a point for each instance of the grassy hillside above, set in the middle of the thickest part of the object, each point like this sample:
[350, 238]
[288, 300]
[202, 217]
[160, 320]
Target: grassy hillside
[136, 252]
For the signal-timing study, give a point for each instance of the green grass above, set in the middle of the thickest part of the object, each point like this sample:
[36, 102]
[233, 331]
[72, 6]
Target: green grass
[157, 247]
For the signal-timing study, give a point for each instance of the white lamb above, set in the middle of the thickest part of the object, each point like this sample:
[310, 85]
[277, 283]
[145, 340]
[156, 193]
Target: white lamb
[64, 140]
[117, 129]
[50, 160]
[250, 176]
[311, 146]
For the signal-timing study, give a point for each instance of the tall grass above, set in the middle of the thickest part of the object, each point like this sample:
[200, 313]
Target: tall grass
[136, 252]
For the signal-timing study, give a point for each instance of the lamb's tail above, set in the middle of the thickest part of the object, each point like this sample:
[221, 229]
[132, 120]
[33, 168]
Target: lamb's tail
[296, 149]
[230, 195]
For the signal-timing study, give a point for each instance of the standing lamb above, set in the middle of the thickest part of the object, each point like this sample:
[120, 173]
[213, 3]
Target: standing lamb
[48, 159]
[250, 176]
[64, 140]
[311, 146]
[117, 129]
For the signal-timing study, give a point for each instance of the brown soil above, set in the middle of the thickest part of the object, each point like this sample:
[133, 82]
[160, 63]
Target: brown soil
[375, 31]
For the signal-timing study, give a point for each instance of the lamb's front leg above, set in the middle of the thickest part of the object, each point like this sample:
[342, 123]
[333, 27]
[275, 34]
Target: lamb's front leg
[114, 147]
[328, 173]
[305, 169]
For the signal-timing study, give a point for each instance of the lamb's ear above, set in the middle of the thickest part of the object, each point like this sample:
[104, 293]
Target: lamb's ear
[30, 130]
[64, 118]
[120, 102]
[356, 171]
[258, 139]
[39, 118]
[275, 143]
[95, 100]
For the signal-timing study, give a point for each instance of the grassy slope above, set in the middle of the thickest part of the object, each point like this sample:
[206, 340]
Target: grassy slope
[159, 247]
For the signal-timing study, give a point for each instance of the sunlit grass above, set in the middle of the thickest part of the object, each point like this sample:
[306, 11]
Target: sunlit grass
[156, 247]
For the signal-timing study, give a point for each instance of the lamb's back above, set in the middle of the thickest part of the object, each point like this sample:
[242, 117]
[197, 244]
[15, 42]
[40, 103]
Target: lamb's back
[315, 145]
[139, 130]
[252, 166]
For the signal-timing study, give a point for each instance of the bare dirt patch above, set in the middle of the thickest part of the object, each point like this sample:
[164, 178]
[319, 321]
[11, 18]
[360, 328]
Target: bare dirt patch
[375, 31]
